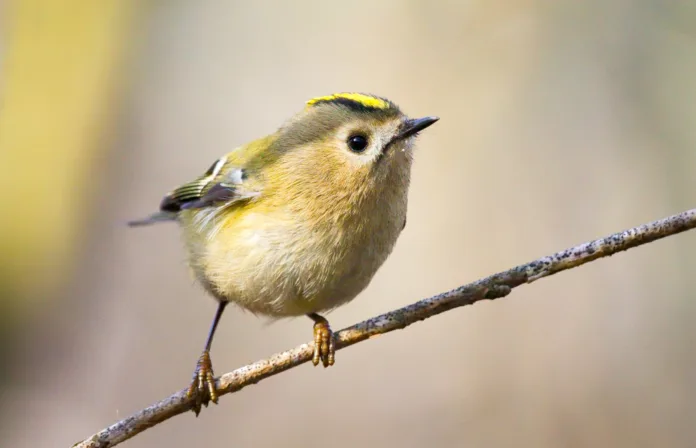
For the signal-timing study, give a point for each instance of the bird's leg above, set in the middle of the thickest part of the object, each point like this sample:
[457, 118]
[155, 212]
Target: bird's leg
[202, 387]
[324, 342]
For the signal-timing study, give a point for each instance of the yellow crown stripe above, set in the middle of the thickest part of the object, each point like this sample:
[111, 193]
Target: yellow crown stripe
[364, 100]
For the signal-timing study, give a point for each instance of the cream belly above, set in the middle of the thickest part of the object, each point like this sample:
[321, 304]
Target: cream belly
[284, 267]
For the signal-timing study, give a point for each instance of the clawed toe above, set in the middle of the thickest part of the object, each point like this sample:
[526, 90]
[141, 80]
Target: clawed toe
[324, 343]
[202, 389]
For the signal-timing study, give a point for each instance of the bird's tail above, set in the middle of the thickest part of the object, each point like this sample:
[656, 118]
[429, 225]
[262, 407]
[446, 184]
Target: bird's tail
[153, 219]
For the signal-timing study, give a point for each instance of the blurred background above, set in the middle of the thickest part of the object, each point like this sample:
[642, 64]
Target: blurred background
[561, 122]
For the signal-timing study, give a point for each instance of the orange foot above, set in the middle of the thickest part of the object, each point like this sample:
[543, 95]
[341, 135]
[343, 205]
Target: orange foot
[324, 342]
[202, 389]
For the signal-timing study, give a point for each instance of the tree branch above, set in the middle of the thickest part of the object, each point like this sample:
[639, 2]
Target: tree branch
[495, 286]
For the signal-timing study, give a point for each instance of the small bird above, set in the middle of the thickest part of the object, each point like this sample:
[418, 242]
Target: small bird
[298, 222]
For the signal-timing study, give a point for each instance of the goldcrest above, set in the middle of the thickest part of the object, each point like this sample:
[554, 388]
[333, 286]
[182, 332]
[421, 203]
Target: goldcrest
[298, 222]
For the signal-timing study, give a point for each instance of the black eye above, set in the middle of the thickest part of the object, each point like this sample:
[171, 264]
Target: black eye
[357, 143]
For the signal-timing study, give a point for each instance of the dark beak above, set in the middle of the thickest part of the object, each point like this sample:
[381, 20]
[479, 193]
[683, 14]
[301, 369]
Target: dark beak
[411, 127]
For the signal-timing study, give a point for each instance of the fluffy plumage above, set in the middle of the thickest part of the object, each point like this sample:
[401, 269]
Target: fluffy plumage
[295, 222]
[299, 221]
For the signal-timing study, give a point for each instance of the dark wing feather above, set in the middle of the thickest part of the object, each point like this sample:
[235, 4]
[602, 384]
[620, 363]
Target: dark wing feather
[174, 201]
[215, 194]
[216, 186]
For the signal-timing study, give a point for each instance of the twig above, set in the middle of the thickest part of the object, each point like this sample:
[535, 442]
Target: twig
[495, 286]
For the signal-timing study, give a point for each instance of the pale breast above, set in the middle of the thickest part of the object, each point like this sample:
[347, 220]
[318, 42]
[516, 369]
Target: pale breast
[293, 255]
[288, 270]
[277, 265]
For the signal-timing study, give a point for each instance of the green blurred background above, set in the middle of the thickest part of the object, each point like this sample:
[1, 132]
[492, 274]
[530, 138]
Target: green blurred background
[561, 121]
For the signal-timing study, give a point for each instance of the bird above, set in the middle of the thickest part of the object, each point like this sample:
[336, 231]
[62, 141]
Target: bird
[298, 222]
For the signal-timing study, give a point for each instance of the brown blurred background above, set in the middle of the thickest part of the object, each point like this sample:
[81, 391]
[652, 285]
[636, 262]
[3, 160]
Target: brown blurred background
[561, 121]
